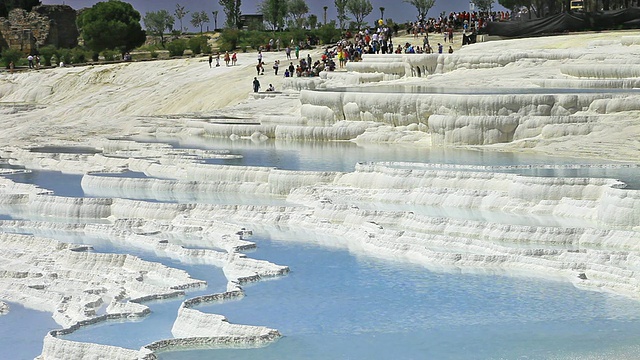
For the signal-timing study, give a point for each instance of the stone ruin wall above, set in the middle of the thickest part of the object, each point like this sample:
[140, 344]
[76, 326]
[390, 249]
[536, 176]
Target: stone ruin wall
[65, 30]
[44, 25]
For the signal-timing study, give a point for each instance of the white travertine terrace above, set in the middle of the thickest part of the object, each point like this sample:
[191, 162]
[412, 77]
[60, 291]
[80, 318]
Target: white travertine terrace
[75, 285]
[515, 95]
[193, 323]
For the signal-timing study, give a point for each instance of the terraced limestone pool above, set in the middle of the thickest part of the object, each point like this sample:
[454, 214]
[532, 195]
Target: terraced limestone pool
[339, 301]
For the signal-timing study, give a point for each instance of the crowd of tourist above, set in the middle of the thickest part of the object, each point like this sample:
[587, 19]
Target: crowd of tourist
[379, 40]
[464, 21]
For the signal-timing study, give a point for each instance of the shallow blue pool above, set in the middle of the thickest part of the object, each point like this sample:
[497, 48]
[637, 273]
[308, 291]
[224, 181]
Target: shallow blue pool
[337, 305]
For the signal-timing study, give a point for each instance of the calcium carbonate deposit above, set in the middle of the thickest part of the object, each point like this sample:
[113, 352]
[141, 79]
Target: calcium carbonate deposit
[571, 95]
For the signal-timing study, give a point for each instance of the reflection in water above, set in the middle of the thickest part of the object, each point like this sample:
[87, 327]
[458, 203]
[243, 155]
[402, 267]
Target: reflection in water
[344, 155]
[60, 183]
[65, 150]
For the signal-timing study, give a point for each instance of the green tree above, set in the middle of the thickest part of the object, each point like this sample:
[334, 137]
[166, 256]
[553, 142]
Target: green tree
[111, 25]
[229, 39]
[180, 13]
[341, 8]
[8, 5]
[312, 21]
[231, 9]
[157, 22]
[516, 5]
[359, 9]
[510, 4]
[298, 10]
[274, 12]
[199, 18]
[422, 6]
[215, 19]
[483, 5]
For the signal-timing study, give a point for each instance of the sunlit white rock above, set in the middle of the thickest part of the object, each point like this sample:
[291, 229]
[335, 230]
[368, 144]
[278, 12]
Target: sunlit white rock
[194, 323]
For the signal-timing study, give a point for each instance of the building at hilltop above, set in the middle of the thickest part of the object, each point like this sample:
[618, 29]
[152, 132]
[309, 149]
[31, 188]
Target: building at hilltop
[43, 25]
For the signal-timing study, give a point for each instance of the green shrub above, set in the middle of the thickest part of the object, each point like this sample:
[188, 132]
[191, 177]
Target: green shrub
[64, 55]
[9, 55]
[177, 47]
[46, 53]
[255, 39]
[195, 45]
[298, 35]
[328, 33]
[78, 56]
[150, 47]
[154, 54]
[199, 45]
[111, 55]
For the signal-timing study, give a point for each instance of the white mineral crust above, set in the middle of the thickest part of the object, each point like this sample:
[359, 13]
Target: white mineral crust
[505, 96]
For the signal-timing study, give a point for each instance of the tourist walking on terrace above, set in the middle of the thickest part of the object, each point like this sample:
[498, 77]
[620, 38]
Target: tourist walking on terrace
[256, 84]
[226, 58]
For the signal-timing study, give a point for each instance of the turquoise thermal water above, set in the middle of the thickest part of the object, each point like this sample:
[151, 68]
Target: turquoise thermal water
[340, 305]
